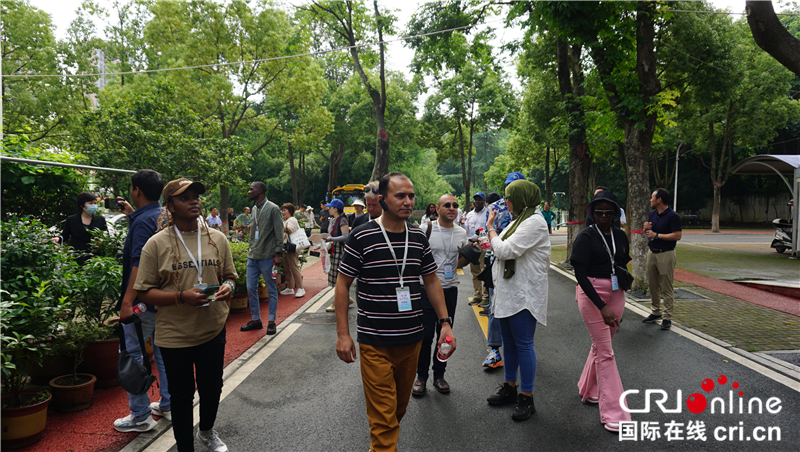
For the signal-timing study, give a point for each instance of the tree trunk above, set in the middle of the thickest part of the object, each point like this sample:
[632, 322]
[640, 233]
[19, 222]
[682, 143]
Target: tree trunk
[335, 161]
[292, 174]
[302, 178]
[715, 210]
[547, 174]
[381, 167]
[466, 178]
[223, 206]
[570, 82]
[770, 34]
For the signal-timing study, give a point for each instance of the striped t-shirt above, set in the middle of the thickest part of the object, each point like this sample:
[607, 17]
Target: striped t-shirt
[368, 259]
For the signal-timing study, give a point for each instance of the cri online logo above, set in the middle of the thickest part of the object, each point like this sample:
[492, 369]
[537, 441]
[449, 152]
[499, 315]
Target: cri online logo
[697, 402]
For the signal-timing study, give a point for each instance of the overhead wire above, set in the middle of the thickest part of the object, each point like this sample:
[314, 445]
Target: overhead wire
[256, 61]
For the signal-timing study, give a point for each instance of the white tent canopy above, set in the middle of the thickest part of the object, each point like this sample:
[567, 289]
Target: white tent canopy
[785, 166]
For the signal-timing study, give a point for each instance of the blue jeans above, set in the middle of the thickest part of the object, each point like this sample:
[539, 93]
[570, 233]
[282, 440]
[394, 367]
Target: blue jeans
[256, 268]
[431, 325]
[494, 338]
[518, 350]
[140, 404]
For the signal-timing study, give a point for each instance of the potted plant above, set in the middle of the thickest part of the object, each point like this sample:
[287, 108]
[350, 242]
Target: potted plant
[74, 391]
[27, 328]
[239, 299]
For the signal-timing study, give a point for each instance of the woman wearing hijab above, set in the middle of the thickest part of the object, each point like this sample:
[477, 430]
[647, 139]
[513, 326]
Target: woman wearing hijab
[76, 227]
[522, 258]
[601, 302]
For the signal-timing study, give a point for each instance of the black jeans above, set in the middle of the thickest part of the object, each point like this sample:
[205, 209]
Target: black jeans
[205, 361]
[430, 323]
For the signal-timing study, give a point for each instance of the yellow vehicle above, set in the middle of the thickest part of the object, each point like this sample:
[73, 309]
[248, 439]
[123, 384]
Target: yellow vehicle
[349, 193]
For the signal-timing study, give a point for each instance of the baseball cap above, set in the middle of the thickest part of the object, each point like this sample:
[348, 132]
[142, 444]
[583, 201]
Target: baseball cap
[336, 203]
[516, 175]
[359, 202]
[479, 194]
[178, 186]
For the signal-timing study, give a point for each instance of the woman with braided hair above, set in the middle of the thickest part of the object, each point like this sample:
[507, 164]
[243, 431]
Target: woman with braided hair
[176, 265]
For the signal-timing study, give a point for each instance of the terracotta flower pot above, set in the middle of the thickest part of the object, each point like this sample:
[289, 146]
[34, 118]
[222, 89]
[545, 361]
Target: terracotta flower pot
[238, 303]
[71, 398]
[23, 426]
[100, 359]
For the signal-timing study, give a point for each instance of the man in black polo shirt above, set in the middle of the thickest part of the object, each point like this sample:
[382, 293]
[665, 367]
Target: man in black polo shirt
[663, 230]
[390, 315]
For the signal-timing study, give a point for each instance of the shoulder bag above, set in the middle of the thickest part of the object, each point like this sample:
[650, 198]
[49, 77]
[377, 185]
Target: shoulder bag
[132, 375]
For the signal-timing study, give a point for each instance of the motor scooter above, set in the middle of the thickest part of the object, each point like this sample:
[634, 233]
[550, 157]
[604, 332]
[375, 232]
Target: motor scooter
[783, 235]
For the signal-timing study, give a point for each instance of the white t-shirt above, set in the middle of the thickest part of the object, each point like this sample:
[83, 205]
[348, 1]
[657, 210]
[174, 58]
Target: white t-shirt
[622, 218]
[453, 239]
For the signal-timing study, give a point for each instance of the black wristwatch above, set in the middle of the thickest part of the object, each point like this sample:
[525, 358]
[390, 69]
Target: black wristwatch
[448, 320]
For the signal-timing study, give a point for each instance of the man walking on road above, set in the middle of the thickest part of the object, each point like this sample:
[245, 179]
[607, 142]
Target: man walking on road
[266, 249]
[663, 230]
[390, 315]
[476, 219]
[445, 240]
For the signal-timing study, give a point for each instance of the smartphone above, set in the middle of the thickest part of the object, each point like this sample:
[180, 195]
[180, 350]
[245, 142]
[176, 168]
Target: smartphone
[210, 289]
[113, 203]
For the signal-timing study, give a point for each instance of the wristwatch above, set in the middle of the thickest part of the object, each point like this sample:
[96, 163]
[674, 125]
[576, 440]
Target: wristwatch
[446, 319]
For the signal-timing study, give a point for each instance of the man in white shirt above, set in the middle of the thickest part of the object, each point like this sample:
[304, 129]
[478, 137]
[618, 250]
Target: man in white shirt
[214, 220]
[476, 219]
[445, 240]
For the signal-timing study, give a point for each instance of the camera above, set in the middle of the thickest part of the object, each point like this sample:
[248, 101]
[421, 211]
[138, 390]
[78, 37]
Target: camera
[113, 203]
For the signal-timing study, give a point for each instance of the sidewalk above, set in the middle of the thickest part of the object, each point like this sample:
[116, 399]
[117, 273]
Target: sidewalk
[92, 430]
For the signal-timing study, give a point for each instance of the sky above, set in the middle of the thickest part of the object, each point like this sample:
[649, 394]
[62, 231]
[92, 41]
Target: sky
[399, 56]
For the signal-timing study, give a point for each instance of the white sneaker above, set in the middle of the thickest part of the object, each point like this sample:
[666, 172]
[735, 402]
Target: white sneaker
[211, 440]
[300, 293]
[287, 292]
[155, 410]
[129, 424]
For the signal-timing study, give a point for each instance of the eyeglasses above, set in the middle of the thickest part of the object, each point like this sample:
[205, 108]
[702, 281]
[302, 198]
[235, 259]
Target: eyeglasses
[367, 190]
[447, 205]
[604, 213]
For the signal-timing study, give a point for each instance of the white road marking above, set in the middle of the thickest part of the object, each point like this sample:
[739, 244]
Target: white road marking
[733, 356]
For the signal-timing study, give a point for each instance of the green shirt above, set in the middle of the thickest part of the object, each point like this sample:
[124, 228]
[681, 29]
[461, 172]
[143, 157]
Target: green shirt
[266, 221]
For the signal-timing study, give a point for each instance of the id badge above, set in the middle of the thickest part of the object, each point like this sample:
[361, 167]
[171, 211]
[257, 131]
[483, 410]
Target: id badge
[614, 282]
[403, 299]
[448, 271]
[209, 298]
[256, 234]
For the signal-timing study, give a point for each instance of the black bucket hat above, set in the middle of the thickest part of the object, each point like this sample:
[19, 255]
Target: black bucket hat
[606, 196]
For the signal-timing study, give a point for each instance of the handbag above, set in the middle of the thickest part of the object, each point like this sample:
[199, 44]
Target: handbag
[132, 375]
[299, 239]
[624, 278]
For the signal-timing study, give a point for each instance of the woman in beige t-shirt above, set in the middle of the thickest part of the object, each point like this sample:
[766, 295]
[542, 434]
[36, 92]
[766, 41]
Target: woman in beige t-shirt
[294, 279]
[176, 263]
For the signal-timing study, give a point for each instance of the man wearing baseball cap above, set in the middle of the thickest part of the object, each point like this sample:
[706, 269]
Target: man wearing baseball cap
[476, 219]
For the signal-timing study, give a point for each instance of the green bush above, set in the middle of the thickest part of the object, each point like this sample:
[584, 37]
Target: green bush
[239, 252]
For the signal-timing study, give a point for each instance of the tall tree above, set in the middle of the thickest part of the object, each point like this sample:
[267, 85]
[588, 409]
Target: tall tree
[349, 23]
[770, 34]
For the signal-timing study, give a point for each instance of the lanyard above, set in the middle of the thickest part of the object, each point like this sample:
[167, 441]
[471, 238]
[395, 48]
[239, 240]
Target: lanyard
[447, 248]
[255, 212]
[613, 244]
[198, 263]
[391, 249]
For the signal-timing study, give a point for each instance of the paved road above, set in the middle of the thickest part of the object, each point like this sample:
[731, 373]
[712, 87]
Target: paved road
[302, 398]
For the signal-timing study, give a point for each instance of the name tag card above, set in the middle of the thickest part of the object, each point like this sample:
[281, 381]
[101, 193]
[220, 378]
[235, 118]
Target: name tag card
[448, 271]
[403, 299]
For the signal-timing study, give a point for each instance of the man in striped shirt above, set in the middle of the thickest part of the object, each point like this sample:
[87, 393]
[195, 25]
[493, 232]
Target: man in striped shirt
[389, 321]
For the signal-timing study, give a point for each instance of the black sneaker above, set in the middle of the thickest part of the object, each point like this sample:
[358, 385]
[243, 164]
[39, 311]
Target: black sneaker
[271, 328]
[666, 324]
[505, 395]
[651, 318]
[524, 408]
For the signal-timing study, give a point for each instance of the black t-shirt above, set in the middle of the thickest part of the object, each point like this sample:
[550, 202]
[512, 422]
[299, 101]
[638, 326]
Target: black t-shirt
[324, 216]
[588, 250]
[663, 223]
[367, 258]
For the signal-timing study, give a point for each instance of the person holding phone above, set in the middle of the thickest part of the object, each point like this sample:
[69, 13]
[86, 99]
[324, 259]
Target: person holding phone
[178, 264]
[76, 227]
[595, 253]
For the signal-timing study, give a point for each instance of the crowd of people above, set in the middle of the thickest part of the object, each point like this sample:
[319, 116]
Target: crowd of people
[180, 265]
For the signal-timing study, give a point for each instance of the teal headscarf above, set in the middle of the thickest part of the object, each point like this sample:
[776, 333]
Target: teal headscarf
[524, 196]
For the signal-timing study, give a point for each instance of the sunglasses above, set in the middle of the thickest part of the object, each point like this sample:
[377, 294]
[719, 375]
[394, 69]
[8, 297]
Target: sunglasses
[604, 213]
[447, 205]
[367, 190]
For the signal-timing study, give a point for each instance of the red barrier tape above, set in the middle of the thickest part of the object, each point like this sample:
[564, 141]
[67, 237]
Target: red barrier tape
[637, 231]
[575, 222]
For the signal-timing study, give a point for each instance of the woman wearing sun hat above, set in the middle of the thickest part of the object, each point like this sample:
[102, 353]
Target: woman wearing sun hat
[601, 302]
